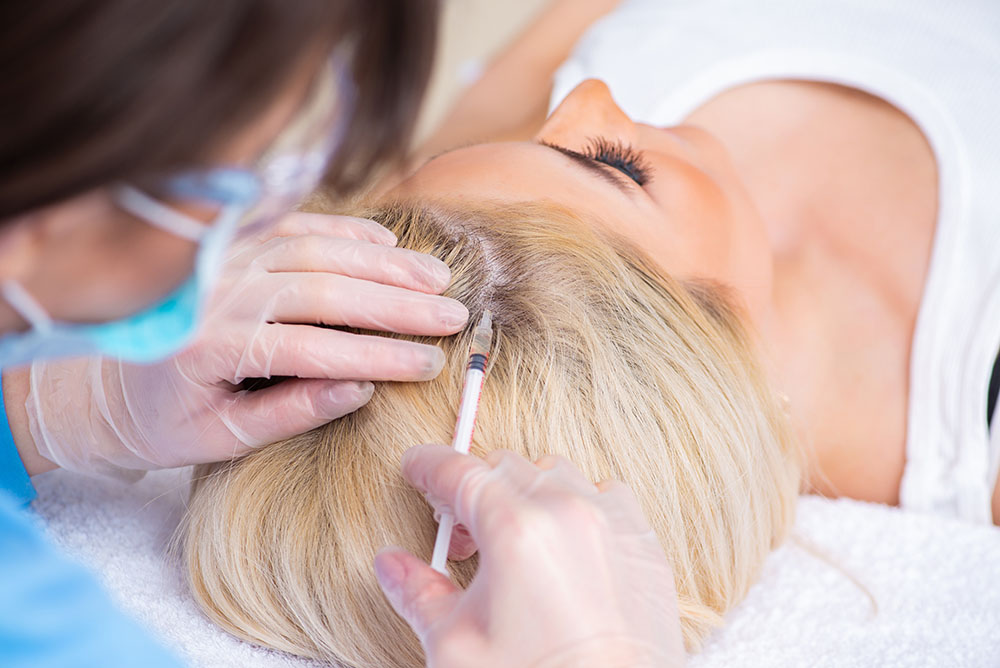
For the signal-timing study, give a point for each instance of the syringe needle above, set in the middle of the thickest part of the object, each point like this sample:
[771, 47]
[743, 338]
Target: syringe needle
[482, 340]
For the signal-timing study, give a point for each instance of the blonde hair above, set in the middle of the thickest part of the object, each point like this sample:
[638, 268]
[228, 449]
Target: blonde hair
[599, 356]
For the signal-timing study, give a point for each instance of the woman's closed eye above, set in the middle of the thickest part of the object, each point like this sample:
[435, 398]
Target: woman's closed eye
[601, 153]
[620, 156]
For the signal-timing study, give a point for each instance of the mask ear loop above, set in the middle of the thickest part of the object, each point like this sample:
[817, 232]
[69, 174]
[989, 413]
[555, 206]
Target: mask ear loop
[157, 214]
[26, 305]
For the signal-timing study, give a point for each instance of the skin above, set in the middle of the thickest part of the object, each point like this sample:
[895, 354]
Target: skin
[773, 189]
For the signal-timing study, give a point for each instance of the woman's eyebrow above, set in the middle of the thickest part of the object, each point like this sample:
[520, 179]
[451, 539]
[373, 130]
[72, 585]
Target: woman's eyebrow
[609, 174]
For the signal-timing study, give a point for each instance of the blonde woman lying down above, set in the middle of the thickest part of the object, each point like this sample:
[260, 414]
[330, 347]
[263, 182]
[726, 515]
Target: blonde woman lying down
[719, 313]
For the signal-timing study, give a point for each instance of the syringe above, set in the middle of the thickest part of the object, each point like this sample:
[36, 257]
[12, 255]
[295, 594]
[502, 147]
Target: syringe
[479, 353]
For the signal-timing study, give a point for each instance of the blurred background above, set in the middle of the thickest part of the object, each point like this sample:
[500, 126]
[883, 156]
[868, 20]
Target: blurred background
[471, 32]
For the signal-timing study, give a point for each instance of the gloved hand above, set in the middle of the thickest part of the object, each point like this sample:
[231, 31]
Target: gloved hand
[103, 416]
[570, 574]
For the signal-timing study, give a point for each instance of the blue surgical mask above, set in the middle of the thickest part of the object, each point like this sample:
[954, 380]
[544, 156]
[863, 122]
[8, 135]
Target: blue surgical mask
[160, 330]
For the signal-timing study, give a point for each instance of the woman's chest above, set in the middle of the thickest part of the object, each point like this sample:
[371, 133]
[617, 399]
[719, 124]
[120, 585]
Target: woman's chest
[851, 202]
[846, 357]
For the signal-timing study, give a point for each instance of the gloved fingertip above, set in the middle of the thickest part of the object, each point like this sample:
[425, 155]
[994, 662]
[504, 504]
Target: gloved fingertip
[347, 397]
[439, 274]
[385, 236]
[364, 388]
[418, 593]
[375, 232]
[454, 315]
[462, 546]
[433, 363]
[418, 362]
[390, 572]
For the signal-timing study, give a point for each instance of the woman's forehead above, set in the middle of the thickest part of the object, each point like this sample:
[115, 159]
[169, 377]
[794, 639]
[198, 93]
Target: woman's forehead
[508, 170]
[514, 172]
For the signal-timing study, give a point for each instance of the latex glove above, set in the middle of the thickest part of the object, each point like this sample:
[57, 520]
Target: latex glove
[103, 416]
[570, 574]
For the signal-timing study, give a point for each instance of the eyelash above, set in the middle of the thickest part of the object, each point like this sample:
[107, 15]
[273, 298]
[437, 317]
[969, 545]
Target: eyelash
[622, 157]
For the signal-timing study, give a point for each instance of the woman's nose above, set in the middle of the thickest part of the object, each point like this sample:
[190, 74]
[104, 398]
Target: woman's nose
[588, 111]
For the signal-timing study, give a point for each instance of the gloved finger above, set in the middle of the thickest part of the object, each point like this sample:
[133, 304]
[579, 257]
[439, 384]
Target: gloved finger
[622, 508]
[373, 262]
[516, 470]
[462, 544]
[560, 471]
[331, 299]
[606, 485]
[418, 593]
[345, 227]
[466, 486]
[510, 459]
[304, 351]
[529, 481]
[292, 407]
[546, 462]
[440, 474]
[494, 457]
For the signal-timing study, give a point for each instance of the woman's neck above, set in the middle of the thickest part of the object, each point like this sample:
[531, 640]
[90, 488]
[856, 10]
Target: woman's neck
[847, 185]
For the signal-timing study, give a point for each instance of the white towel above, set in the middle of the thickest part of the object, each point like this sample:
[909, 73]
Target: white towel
[936, 582]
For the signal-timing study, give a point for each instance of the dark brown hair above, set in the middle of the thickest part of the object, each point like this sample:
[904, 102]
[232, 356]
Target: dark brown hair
[96, 91]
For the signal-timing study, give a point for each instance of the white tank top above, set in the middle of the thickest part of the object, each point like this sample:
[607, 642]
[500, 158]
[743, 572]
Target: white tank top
[938, 62]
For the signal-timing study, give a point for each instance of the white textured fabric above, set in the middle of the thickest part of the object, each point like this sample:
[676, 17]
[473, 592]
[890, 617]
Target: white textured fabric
[939, 62]
[935, 580]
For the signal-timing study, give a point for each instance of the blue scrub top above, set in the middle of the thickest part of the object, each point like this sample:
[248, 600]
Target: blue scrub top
[53, 613]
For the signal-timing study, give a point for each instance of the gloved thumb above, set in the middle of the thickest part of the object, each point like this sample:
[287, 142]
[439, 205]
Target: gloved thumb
[418, 593]
[462, 544]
